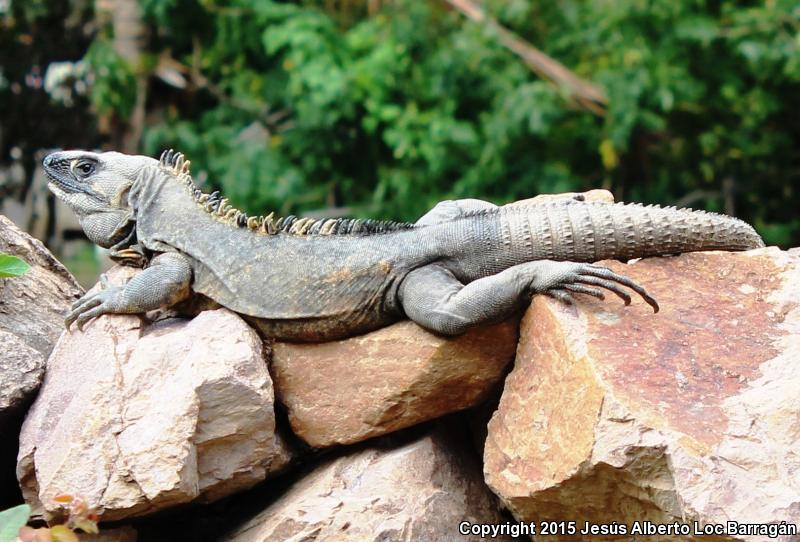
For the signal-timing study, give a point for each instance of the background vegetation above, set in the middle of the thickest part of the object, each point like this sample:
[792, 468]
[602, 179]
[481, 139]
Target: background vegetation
[382, 108]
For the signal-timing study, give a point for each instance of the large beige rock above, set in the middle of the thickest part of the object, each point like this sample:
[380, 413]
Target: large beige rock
[420, 489]
[136, 419]
[32, 311]
[350, 390]
[691, 414]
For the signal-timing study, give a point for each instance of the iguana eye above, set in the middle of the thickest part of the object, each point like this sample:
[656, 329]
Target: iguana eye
[85, 168]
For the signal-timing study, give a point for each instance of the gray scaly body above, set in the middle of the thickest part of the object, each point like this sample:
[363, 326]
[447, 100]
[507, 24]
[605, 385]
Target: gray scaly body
[463, 264]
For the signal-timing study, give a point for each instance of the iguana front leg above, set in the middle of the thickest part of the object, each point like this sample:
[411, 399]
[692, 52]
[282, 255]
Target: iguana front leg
[435, 299]
[165, 282]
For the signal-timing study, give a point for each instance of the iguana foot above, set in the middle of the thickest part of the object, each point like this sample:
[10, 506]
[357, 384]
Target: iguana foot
[110, 299]
[165, 282]
[434, 298]
[562, 279]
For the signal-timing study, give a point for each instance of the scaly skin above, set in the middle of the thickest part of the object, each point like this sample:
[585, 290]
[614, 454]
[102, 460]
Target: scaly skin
[463, 264]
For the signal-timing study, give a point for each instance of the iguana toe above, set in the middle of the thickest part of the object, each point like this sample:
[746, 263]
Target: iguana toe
[605, 273]
[581, 289]
[91, 306]
[608, 285]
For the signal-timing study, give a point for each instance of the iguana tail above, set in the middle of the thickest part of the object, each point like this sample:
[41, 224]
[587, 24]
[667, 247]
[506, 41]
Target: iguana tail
[592, 231]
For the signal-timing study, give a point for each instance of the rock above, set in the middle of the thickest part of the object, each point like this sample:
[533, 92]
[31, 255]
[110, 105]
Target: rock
[21, 371]
[591, 195]
[350, 390]
[691, 414]
[420, 490]
[32, 311]
[31, 319]
[135, 419]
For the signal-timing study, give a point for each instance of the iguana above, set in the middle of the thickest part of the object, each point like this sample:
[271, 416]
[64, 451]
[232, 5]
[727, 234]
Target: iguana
[463, 264]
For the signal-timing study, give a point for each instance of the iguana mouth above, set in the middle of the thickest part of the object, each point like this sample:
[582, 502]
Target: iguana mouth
[58, 172]
[61, 181]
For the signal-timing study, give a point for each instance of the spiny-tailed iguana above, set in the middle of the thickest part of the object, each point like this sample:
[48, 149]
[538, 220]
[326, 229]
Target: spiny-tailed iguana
[316, 280]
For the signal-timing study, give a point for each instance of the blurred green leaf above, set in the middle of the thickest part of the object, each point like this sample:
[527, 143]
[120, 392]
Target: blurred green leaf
[12, 520]
[11, 266]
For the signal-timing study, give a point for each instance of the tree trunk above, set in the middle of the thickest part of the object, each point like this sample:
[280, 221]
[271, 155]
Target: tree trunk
[129, 41]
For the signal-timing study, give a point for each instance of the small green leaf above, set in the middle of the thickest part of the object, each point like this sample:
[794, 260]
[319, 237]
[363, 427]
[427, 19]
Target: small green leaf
[12, 520]
[11, 266]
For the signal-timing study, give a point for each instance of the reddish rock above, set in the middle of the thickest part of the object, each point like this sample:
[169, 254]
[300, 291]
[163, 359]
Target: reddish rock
[348, 391]
[691, 414]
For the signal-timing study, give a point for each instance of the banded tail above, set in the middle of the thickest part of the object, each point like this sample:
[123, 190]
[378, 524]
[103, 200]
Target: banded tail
[593, 231]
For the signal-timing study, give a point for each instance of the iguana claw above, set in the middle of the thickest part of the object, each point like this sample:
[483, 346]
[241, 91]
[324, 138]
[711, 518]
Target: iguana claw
[129, 257]
[107, 300]
[583, 277]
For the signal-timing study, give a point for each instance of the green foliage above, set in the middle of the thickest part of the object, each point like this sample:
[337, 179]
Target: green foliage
[11, 266]
[34, 34]
[12, 520]
[114, 88]
[305, 107]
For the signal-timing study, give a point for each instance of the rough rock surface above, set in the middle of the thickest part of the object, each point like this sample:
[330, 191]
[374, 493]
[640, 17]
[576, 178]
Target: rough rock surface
[136, 419]
[590, 195]
[691, 414]
[421, 489]
[21, 372]
[32, 311]
[346, 391]
[31, 319]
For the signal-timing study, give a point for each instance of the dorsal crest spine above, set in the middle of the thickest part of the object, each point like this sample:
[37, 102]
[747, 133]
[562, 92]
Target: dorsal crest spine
[174, 164]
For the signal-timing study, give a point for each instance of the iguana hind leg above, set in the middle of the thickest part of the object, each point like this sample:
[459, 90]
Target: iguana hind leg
[165, 282]
[448, 210]
[437, 300]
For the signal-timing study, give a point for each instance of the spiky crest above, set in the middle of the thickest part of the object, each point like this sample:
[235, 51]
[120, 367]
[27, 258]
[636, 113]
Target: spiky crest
[516, 208]
[174, 164]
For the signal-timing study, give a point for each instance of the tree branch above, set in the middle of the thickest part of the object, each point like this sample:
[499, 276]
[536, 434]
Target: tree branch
[585, 93]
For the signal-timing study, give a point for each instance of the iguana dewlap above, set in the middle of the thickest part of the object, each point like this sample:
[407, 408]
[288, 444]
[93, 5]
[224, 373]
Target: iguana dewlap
[316, 280]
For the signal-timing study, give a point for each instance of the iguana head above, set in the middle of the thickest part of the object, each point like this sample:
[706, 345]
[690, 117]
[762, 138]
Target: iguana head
[95, 186]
